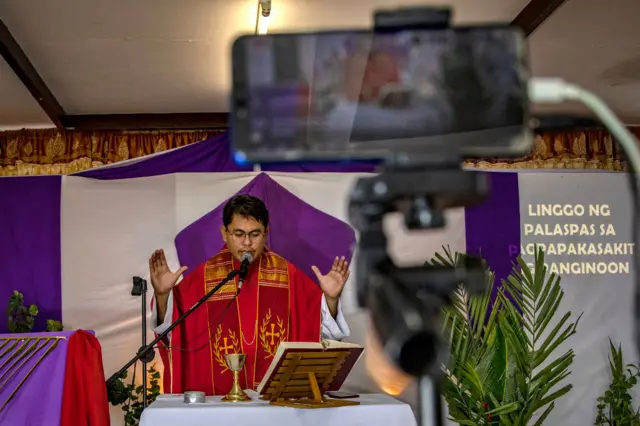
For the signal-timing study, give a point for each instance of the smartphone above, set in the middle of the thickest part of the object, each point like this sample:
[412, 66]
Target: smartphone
[364, 95]
[342, 395]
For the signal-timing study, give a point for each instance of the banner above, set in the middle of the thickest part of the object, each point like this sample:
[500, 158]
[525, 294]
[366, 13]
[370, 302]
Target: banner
[583, 222]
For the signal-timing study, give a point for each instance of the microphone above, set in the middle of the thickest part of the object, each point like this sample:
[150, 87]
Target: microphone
[244, 265]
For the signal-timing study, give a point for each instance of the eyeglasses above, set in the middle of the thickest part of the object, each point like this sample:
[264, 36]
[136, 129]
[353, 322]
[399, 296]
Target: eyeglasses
[240, 236]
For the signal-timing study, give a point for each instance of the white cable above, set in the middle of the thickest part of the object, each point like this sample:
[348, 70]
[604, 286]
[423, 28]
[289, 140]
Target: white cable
[556, 90]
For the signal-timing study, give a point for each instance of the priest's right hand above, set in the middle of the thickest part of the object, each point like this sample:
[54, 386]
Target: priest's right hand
[162, 278]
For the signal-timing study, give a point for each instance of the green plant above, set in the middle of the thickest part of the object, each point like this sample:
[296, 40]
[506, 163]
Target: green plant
[129, 396]
[20, 318]
[502, 370]
[53, 325]
[615, 407]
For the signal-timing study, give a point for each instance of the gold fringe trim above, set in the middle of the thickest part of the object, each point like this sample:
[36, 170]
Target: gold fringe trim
[81, 164]
[49, 152]
[552, 163]
[30, 169]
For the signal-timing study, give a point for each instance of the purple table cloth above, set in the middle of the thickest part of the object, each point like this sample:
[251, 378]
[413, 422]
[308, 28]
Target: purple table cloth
[32, 383]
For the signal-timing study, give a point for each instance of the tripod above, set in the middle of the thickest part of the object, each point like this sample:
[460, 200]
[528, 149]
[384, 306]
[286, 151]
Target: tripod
[405, 303]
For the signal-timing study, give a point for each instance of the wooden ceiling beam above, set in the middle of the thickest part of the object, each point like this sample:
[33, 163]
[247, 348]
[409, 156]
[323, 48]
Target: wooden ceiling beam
[24, 69]
[535, 13]
[173, 121]
[26, 72]
[564, 123]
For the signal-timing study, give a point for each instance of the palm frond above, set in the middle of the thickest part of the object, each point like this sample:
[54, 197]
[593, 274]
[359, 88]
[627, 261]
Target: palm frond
[468, 321]
[540, 295]
[504, 368]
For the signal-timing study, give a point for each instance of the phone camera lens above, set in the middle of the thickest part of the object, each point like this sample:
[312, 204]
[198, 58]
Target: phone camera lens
[256, 138]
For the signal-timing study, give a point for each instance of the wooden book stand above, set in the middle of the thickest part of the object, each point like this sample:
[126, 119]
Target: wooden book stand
[303, 378]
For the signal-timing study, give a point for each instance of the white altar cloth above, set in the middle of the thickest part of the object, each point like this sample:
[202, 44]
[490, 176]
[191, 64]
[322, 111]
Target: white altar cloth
[374, 409]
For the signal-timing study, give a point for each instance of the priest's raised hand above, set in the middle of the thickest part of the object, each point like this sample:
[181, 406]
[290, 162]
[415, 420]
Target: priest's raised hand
[163, 280]
[333, 282]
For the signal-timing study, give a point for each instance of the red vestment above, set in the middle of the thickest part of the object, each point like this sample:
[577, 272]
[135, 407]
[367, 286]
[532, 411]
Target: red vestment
[278, 302]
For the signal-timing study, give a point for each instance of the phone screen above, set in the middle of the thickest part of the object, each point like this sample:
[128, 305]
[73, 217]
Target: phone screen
[341, 92]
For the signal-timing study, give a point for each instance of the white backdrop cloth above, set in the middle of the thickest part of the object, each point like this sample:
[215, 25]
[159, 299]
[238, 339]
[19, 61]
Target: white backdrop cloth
[110, 228]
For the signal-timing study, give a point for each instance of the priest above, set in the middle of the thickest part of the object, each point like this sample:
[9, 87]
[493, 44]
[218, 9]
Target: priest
[278, 302]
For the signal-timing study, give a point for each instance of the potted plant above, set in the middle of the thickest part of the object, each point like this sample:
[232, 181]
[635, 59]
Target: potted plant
[129, 395]
[615, 407]
[503, 367]
[20, 318]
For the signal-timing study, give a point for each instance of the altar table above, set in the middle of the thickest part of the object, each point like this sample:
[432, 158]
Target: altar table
[374, 409]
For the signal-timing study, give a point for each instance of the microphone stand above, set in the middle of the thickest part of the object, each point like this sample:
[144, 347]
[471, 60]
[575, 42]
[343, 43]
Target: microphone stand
[140, 289]
[146, 353]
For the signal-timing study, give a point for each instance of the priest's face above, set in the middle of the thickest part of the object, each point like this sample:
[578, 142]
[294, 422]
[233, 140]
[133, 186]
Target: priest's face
[245, 235]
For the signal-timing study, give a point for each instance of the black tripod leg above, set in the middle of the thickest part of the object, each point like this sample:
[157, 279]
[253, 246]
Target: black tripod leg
[430, 405]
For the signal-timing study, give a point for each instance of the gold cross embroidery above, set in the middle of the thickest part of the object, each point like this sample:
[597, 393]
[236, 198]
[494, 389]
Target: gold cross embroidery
[270, 339]
[272, 333]
[225, 347]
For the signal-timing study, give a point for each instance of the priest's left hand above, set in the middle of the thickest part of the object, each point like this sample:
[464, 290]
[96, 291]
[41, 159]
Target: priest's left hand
[333, 282]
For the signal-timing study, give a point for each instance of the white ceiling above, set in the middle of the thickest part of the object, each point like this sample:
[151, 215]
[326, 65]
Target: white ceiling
[162, 56]
[596, 44]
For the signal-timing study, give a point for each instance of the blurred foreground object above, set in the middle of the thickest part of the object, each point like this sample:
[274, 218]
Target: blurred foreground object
[384, 373]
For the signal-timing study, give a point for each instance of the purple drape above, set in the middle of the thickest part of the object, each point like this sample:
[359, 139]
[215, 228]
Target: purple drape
[493, 228]
[298, 232]
[211, 156]
[355, 167]
[30, 258]
[208, 156]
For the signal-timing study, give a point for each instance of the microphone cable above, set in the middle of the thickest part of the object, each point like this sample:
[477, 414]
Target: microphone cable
[208, 342]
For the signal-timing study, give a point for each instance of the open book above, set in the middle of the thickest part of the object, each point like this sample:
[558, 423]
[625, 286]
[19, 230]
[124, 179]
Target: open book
[329, 361]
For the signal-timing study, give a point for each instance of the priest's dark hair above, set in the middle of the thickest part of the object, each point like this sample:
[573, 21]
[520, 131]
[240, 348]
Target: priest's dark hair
[245, 206]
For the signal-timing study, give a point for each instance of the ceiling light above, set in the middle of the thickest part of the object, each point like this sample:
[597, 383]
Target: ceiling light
[263, 16]
[265, 5]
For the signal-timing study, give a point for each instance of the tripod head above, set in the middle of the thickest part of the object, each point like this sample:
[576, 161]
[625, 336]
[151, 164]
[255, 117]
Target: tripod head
[405, 303]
